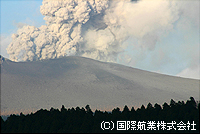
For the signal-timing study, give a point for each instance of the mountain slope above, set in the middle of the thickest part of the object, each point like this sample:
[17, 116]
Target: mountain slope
[77, 81]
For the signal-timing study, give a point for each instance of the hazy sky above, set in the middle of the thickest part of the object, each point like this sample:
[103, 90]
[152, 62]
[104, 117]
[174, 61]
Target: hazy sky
[162, 37]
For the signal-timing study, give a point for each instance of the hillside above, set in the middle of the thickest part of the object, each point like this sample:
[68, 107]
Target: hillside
[77, 81]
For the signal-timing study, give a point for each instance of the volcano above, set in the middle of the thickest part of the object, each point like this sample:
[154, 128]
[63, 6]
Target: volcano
[77, 81]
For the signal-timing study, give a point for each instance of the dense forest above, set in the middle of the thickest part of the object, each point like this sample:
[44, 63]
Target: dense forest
[176, 117]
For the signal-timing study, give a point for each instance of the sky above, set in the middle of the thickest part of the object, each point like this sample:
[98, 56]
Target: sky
[156, 36]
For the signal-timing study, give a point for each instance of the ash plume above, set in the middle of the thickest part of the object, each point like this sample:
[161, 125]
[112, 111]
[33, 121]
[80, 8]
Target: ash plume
[92, 28]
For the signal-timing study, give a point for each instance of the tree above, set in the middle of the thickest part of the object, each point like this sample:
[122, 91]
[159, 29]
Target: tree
[157, 107]
[193, 102]
[125, 113]
[63, 109]
[166, 106]
[142, 107]
[116, 111]
[2, 125]
[149, 106]
[132, 109]
[126, 109]
[88, 110]
[78, 120]
[172, 103]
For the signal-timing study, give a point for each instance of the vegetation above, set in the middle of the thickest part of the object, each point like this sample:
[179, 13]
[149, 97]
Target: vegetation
[79, 120]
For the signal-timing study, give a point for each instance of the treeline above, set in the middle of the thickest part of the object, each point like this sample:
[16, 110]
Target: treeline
[177, 117]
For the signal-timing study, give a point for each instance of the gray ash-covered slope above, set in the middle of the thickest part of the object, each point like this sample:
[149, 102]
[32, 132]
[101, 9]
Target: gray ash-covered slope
[77, 81]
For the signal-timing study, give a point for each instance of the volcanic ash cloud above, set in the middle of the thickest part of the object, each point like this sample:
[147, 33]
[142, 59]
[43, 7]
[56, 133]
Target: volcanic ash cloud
[92, 28]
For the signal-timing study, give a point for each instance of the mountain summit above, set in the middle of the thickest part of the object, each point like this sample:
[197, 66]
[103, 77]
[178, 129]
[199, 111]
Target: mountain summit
[76, 81]
[1, 59]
